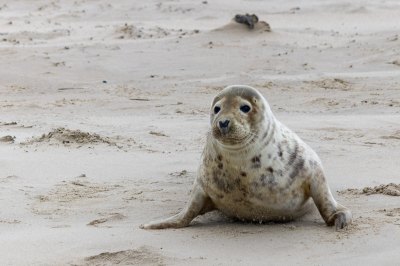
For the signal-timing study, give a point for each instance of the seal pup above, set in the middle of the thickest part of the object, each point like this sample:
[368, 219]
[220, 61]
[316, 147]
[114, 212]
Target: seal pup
[255, 168]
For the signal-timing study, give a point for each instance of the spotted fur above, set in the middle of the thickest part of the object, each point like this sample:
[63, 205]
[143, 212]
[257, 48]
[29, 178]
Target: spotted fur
[260, 170]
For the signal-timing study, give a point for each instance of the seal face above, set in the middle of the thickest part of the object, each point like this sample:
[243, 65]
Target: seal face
[255, 168]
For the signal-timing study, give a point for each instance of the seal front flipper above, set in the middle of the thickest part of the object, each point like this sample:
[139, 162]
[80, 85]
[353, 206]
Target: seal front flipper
[198, 204]
[341, 218]
[333, 213]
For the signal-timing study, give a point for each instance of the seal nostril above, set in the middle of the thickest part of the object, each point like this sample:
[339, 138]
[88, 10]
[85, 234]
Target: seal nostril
[224, 125]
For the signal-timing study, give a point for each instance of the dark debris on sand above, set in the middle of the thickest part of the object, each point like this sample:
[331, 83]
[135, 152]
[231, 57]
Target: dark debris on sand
[247, 19]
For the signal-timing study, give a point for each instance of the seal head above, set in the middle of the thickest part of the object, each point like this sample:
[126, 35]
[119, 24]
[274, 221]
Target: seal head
[238, 114]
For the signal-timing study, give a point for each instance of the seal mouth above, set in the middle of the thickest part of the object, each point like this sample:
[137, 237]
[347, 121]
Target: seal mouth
[231, 142]
[235, 145]
[224, 131]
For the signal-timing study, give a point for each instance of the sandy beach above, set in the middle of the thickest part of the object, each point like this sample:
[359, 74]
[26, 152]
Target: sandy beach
[104, 106]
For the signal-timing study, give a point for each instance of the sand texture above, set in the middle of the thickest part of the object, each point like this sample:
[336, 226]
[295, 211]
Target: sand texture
[104, 109]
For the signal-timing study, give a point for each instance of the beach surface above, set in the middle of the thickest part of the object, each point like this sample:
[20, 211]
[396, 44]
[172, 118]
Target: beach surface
[104, 107]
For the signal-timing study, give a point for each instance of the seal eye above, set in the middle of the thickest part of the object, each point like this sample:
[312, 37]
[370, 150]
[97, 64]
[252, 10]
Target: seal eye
[216, 109]
[245, 108]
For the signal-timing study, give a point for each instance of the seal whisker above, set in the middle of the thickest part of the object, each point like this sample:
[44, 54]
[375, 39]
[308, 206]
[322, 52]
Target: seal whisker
[203, 137]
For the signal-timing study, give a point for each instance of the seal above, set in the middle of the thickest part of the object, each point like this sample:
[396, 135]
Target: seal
[255, 168]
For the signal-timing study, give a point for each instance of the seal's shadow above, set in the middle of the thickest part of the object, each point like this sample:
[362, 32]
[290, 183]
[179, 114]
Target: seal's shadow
[217, 218]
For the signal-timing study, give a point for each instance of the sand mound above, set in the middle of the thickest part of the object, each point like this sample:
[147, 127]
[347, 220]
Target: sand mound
[140, 256]
[237, 28]
[67, 136]
[391, 189]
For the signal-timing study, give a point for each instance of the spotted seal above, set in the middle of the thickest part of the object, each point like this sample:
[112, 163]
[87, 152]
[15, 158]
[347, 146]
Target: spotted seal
[255, 168]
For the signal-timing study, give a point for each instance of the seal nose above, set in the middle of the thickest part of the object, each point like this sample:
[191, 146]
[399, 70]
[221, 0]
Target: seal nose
[223, 125]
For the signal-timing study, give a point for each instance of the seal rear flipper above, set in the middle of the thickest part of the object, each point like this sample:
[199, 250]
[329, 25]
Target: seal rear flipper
[199, 203]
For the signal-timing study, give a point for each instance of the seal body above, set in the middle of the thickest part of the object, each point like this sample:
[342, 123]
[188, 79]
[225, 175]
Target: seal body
[266, 183]
[255, 168]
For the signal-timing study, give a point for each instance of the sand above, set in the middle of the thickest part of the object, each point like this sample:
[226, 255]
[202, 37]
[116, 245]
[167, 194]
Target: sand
[104, 108]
